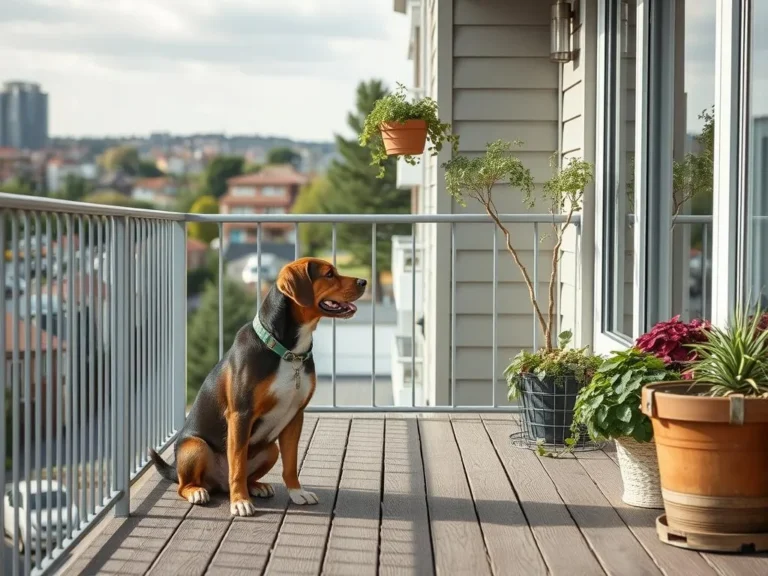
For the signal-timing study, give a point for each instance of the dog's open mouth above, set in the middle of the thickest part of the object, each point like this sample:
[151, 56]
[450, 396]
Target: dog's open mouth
[338, 308]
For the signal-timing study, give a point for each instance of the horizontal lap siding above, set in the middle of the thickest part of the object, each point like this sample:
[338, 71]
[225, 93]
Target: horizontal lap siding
[504, 87]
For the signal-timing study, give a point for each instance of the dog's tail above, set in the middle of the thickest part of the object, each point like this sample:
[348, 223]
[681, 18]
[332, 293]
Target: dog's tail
[166, 470]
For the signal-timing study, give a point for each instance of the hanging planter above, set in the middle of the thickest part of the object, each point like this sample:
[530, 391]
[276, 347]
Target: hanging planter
[399, 127]
[404, 139]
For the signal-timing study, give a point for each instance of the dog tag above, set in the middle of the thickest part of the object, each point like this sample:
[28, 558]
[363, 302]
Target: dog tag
[297, 377]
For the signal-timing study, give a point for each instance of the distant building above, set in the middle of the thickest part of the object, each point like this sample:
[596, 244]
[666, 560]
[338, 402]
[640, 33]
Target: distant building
[23, 116]
[58, 169]
[14, 164]
[273, 190]
[160, 191]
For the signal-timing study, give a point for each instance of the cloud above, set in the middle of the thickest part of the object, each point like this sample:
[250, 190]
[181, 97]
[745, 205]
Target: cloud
[157, 61]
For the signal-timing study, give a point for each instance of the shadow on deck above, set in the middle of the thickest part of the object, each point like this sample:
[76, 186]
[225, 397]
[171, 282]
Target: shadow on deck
[407, 495]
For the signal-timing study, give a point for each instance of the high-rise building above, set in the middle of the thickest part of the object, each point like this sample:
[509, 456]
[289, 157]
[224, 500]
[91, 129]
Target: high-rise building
[23, 116]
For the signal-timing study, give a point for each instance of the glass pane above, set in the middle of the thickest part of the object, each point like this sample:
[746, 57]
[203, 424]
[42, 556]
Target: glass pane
[693, 161]
[757, 222]
[622, 198]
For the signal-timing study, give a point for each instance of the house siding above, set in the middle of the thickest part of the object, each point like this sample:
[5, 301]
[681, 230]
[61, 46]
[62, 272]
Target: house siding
[504, 87]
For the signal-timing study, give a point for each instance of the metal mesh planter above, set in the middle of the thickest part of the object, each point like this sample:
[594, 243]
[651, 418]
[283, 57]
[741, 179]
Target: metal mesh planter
[547, 413]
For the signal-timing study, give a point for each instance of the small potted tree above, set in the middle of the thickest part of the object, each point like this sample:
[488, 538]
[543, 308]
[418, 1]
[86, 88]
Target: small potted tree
[399, 127]
[609, 408]
[547, 379]
[711, 435]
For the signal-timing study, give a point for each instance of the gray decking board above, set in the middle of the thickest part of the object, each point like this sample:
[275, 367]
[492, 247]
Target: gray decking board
[483, 506]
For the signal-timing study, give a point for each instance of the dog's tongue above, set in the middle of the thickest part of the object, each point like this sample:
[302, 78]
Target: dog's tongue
[349, 306]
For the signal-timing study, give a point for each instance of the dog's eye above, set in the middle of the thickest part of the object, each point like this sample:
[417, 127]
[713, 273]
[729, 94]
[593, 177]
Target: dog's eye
[329, 274]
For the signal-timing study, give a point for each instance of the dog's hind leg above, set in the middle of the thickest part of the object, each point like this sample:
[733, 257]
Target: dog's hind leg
[193, 458]
[262, 463]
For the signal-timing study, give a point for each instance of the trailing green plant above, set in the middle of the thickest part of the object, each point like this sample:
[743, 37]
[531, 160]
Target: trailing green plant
[555, 363]
[609, 406]
[563, 193]
[734, 360]
[395, 107]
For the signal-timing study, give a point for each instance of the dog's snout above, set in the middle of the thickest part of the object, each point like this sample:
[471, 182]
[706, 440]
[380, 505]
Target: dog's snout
[361, 283]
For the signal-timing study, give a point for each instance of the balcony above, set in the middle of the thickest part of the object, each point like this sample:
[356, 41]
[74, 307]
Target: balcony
[96, 374]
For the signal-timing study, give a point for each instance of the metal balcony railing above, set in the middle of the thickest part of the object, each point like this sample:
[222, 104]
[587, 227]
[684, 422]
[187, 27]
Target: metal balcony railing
[94, 372]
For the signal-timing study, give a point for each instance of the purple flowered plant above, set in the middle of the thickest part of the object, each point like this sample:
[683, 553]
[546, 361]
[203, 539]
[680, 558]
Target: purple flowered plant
[668, 341]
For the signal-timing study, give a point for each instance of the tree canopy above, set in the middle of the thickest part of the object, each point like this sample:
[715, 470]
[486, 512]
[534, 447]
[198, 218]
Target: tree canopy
[121, 159]
[221, 169]
[204, 231]
[311, 200]
[357, 190]
[284, 155]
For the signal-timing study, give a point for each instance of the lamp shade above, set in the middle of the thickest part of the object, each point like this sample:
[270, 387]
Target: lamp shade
[560, 47]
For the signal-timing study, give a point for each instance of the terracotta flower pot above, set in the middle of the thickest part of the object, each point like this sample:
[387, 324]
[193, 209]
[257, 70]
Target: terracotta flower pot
[409, 137]
[713, 458]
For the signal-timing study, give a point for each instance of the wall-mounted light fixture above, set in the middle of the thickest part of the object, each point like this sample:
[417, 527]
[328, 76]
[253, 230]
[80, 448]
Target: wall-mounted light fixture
[624, 28]
[560, 47]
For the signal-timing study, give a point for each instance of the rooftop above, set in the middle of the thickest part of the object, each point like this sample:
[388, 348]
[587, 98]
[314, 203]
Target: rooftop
[277, 175]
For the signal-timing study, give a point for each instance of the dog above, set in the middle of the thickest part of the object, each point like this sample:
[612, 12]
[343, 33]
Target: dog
[250, 408]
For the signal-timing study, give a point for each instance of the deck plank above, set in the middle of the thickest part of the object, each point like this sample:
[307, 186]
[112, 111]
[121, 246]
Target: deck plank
[245, 548]
[511, 546]
[613, 543]
[641, 521]
[457, 540]
[406, 548]
[301, 541]
[562, 545]
[353, 542]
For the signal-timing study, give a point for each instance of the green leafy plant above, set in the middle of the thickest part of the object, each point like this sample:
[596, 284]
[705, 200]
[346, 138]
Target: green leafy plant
[556, 363]
[395, 107]
[563, 193]
[609, 406]
[734, 360]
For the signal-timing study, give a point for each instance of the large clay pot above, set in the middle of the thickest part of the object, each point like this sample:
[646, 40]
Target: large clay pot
[408, 138]
[713, 458]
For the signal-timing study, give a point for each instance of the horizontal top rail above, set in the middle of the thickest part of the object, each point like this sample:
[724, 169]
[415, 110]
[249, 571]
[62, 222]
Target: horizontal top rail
[43, 204]
[380, 218]
[22, 202]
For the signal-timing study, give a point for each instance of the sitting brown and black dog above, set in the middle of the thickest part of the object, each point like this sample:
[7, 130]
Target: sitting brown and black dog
[254, 398]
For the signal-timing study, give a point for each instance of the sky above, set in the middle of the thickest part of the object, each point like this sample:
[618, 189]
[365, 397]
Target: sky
[272, 67]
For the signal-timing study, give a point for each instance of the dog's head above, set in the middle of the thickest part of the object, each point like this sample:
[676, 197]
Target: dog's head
[318, 289]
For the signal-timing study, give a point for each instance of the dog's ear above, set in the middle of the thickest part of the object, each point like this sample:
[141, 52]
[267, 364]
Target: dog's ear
[295, 281]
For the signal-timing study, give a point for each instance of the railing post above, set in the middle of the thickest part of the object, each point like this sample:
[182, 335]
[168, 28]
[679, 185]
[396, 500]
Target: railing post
[179, 322]
[122, 288]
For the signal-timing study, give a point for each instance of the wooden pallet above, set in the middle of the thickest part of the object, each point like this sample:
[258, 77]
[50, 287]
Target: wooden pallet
[707, 542]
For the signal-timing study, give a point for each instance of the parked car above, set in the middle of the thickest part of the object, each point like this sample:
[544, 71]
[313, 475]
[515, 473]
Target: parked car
[270, 267]
[15, 498]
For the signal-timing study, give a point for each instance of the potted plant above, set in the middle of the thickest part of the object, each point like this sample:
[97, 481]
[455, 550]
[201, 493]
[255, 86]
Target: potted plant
[609, 408]
[399, 127]
[671, 342]
[710, 433]
[549, 378]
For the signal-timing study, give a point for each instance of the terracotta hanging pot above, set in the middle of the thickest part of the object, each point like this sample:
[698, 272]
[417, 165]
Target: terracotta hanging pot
[408, 138]
[713, 458]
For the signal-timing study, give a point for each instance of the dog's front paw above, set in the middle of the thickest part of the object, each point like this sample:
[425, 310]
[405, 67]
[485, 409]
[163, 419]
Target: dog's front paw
[261, 490]
[242, 508]
[301, 496]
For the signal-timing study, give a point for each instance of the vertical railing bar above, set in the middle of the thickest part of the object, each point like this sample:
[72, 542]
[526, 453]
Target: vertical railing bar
[162, 309]
[146, 262]
[494, 317]
[99, 350]
[535, 281]
[258, 268]
[576, 277]
[134, 268]
[413, 315]
[333, 324]
[453, 314]
[110, 327]
[60, 343]
[374, 275]
[83, 374]
[297, 244]
[704, 249]
[37, 382]
[157, 335]
[3, 379]
[221, 291]
[91, 373]
[124, 325]
[139, 329]
[15, 384]
[178, 329]
[27, 393]
[71, 394]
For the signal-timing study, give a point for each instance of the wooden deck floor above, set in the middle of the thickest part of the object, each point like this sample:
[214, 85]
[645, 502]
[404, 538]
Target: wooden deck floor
[407, 495]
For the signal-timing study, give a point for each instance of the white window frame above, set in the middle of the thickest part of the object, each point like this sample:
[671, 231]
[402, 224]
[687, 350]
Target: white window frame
[243, 191]
[273, 191]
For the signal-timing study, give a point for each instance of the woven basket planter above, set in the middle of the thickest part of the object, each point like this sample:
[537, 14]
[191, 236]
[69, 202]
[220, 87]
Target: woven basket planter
[639, 473]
